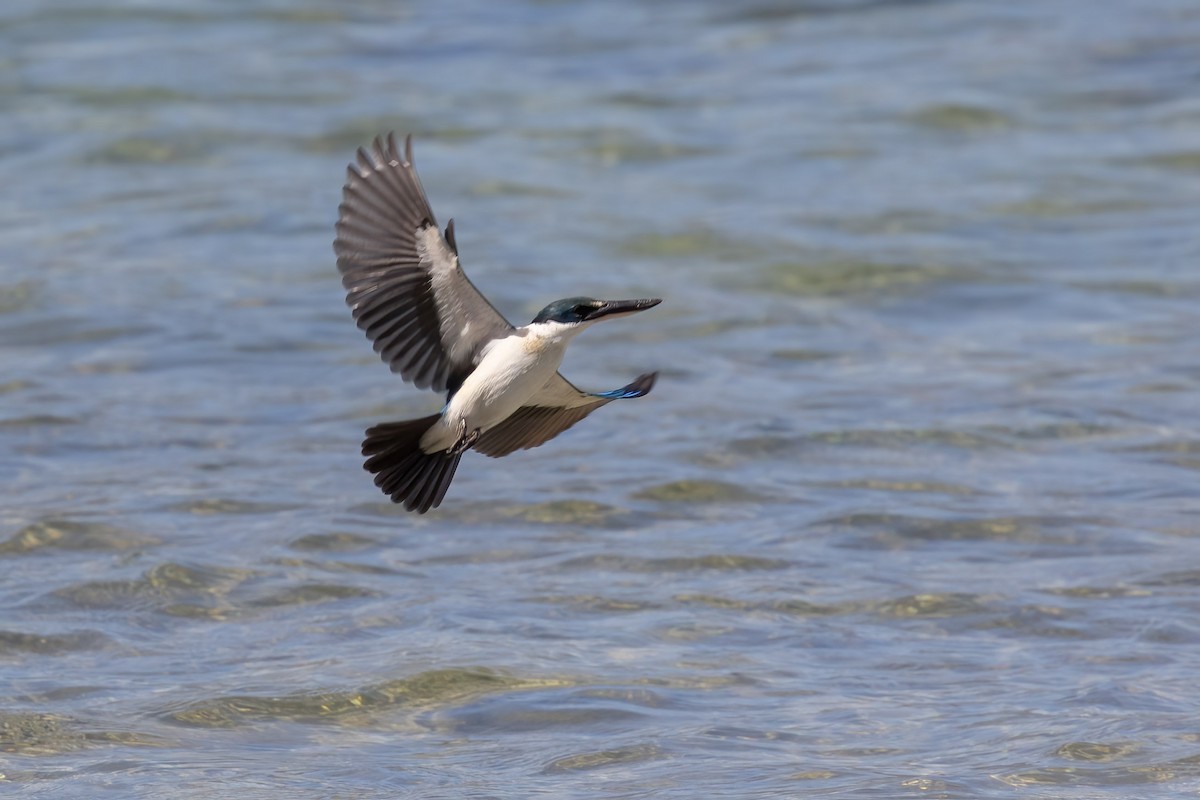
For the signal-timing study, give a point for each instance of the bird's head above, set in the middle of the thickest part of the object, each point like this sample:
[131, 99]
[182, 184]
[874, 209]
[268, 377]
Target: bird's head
[582, 310]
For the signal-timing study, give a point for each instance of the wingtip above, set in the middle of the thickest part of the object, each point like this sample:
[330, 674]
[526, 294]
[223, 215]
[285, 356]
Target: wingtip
[643, 384]
[385, 150]
[363, 164]
[640, 387]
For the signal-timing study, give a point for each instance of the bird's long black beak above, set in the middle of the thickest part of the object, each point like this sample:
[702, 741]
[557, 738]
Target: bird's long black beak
[619, 308]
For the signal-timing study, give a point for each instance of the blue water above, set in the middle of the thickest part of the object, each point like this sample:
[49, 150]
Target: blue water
[912, 511]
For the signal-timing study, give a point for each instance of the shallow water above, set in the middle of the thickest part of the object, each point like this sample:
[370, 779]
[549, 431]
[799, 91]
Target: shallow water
[911, 513]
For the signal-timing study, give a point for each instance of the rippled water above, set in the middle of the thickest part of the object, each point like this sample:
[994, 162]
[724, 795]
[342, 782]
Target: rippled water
[912, 512]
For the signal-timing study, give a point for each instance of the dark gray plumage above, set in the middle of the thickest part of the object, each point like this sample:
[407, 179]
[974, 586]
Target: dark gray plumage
[403, 281]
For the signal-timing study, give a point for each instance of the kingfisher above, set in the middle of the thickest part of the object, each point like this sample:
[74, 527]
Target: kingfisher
[408, 293]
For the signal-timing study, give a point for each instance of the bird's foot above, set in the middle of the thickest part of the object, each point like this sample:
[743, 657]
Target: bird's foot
[465, 440]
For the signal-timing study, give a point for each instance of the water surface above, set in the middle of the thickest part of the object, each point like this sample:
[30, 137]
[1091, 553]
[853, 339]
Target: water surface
[911, 513]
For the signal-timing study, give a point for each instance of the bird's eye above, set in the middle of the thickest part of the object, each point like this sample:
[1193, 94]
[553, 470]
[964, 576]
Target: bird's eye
[581, 309]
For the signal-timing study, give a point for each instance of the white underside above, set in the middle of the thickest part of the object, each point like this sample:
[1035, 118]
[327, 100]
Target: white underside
[512, 371]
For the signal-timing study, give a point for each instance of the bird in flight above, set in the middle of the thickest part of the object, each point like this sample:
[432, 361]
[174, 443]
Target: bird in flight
[408, 292]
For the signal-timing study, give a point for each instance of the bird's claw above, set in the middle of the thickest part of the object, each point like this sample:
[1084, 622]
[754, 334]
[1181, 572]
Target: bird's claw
[465, 440]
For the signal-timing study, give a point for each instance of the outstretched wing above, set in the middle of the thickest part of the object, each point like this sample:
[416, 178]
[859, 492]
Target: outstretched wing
[403, 280]
[556, 408]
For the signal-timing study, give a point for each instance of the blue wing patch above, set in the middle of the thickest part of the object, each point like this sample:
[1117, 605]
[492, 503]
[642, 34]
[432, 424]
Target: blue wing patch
[639, 388]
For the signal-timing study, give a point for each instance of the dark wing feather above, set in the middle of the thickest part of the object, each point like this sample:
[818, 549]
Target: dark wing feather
[556, 408]
[403, 279]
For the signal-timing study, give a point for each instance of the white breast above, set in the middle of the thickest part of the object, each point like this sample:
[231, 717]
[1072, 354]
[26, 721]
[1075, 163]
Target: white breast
[510, 373]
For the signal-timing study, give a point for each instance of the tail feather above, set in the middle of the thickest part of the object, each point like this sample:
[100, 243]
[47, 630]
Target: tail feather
[402, 470]
[444, 483]
[431, 477]
[422, 475]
